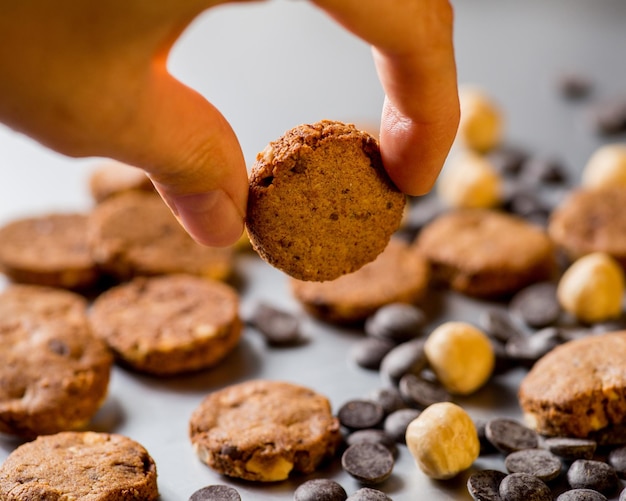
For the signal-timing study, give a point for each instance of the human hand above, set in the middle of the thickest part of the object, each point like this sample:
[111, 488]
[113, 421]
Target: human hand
[90, 79]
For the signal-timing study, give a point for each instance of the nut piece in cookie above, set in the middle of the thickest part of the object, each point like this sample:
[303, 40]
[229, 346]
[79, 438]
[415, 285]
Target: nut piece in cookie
[79, 465]
[398, 274]
[48, 250]
[486, 253]
[170, 324]
[578, 389]
[320, 203]
[264, 430]
[54, 373]
[135, 234]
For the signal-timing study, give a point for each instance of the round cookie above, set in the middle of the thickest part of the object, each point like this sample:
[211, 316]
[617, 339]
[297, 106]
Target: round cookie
[591, 220]
[111, 178]
[48, 250]
[170, 324]
[398, 274]
[264, 430]
[578, 389]
[320, 203]
[486, 253]
[79, 465]
[135, 234]
[54, 373]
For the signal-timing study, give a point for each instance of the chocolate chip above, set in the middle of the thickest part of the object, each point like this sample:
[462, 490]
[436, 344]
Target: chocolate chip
[406, 358]
[524, 487]
[581, 495]
[320, 489]
[396, 322]
[373, 436]
[574, 85]
[571, 448]
[544, 170]
[508, 160]
[420, 393]
[396, 423]
[537, 305]
[485, 485]
[360, 414]
[499, 325]
[59, 347]
[370, 351]
[528, 349]
[368, 463]
[508, 435]
[538, 462]
[486, 447]
[278, 327]
[609, 116]
[591, 474]
[617, 459]
[389, 398]
[216, 493]
[369, 494]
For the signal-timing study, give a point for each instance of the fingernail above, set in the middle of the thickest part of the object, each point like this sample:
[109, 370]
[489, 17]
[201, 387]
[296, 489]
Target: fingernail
[211, 218]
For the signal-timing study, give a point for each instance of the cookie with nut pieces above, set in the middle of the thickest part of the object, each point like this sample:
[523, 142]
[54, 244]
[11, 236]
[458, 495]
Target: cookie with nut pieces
[591, 220]
[320, 202]
[79, 465]
[486, 253]
[398, 274]
[49, 249]
[170, 324]
[135, 234]
[264, 430]
[54, 373]
[579, 389]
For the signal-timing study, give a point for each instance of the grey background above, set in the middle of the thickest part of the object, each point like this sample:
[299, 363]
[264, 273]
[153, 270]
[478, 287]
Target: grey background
[271, 65]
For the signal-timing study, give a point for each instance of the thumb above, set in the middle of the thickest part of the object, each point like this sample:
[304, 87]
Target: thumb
[192, 156]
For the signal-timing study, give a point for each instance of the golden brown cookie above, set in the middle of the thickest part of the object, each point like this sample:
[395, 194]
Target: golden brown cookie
[111, 178]
[486, 253]
[398, 274]
[170, 324]
[135, 234]
[579, 388]
[54, 373]
[264, 430]
[320, 203]
[48, 250]
[591, 220]
[79, 465]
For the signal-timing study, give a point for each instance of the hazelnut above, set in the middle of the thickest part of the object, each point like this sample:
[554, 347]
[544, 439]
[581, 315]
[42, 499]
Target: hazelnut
[592, 288]
[443, 440]
[606, 167]
[481, 126]
[469, 180]
[461, 356]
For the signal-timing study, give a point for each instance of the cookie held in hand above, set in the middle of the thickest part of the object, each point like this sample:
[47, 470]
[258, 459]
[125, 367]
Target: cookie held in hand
[320, 203]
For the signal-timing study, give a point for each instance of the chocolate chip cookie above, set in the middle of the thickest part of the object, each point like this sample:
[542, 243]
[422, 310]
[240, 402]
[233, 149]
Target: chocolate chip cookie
[170, 324]
[486, 253]
[264, 430]
[54, 372]
[135, 234]
[48, 250]
[398, 274]
[79, 465]
[579, 389]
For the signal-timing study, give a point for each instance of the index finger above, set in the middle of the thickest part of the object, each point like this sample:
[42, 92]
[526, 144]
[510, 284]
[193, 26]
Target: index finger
[413, 51]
